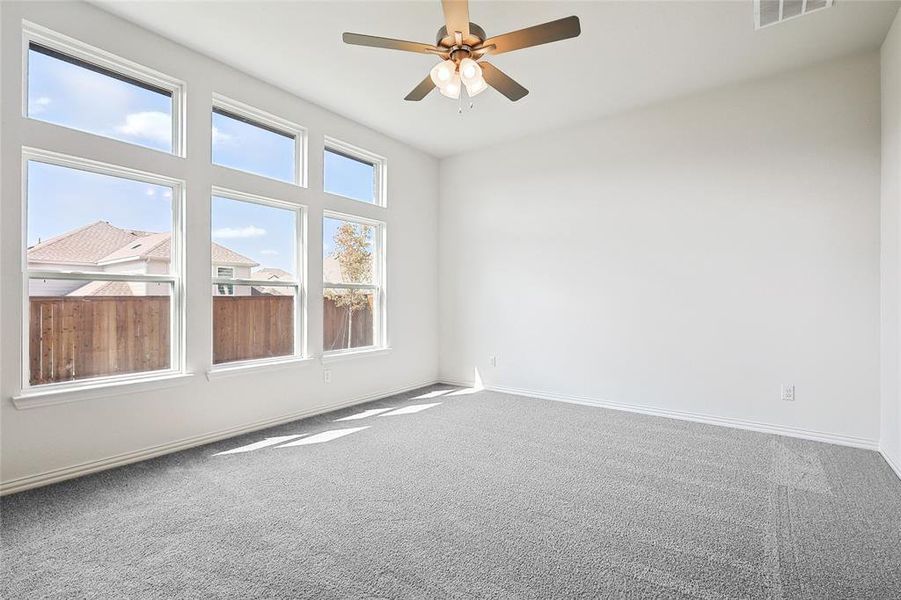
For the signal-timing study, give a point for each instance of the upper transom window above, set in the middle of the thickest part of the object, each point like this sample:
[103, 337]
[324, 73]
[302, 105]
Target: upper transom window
[79, 87]
[353, 173]
[250, 140]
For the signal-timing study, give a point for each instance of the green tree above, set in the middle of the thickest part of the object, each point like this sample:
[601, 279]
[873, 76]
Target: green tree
[354, 256]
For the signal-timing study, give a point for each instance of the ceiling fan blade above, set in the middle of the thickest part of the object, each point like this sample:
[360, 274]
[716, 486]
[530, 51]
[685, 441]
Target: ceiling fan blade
[422, 90]
[481, 51]
[456, 16]
[553, 31]
[358, 39]
[502, 82]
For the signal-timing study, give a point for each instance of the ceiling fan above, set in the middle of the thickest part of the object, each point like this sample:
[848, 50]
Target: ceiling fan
[462, 44]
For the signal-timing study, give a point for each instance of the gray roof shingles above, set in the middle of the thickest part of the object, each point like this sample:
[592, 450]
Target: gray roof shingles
[101, 242]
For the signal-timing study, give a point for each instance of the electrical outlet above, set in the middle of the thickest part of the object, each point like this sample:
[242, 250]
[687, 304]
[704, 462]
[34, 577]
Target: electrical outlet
[327, 375]
[492, 360]
[788, 392]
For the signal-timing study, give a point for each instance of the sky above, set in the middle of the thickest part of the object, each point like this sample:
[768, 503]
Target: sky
[264, 233]
[67, 94]
[61, 199]
[347, 177]
[239, 145]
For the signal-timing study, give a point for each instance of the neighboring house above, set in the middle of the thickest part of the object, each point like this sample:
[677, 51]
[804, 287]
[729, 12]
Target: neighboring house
[272, 274]
[331, 270]
[106, 248]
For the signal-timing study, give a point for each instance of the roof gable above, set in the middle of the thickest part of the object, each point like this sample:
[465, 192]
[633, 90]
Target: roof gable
[102, 243]
[272, 273]
[141, 248]
[225, 256]
[85, 245]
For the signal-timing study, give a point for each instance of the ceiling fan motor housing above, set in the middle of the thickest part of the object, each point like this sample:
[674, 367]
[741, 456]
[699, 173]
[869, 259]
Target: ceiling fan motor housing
[476, 36]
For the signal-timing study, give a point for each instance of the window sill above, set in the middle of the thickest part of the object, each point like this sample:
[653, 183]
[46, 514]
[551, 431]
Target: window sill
[339, 355]
[229, 370]
[37, 397]
[295, 183]
[374, 203]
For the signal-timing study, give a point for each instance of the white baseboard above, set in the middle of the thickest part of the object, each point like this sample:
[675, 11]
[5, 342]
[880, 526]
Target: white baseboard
[891, 463]
[819, 436]
[41, 479]
[454, 382]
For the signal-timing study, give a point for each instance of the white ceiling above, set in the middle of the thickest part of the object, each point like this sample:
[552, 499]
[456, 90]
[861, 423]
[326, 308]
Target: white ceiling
[629, 54]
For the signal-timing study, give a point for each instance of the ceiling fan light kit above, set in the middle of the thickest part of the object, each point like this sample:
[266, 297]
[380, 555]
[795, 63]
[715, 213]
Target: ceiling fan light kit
[462, 44]
[470, 70]
[451, 89]
[475, 88]
[448, 75]
[442, 73]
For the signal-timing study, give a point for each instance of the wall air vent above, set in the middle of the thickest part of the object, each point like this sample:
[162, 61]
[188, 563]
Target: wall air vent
[770, 12]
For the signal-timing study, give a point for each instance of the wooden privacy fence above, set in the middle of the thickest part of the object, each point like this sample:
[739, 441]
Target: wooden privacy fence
[247, 327]
[79, 337]
[335, 324]
[89, 336]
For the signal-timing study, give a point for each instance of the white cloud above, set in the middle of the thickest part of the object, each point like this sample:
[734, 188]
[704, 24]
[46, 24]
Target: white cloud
[39, 105]
[152, 125]
[269, 252]
[150, 192]
[239, 232]
[219, 137]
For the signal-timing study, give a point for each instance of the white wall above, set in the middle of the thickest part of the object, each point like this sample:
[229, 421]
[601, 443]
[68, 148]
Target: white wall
[53, 439]
[690, 256]
[891, 245]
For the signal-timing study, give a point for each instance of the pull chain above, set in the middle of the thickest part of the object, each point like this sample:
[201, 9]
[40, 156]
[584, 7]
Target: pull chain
[460, 103]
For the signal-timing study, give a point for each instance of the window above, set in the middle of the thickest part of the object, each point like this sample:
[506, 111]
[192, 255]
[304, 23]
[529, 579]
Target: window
[253, 141]
[353, 173]
[225, 289]
[256, 289]
[103, 270]
[353, 271]
[76, 86]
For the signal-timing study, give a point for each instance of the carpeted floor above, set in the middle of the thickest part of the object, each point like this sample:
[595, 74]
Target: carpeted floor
[483, 495]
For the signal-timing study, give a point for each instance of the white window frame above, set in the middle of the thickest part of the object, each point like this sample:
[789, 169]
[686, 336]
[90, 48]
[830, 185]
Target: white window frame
[174, 278]
[267, 121]
[379, 165]
[78, 50]
[300, 300]
[380, 333]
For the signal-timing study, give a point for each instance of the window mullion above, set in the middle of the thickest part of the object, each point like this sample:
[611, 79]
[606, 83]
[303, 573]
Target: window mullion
[100, 276]
[255, 282]
[350, 286]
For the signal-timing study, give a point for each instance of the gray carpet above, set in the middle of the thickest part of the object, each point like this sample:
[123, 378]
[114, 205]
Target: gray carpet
[484, 495]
